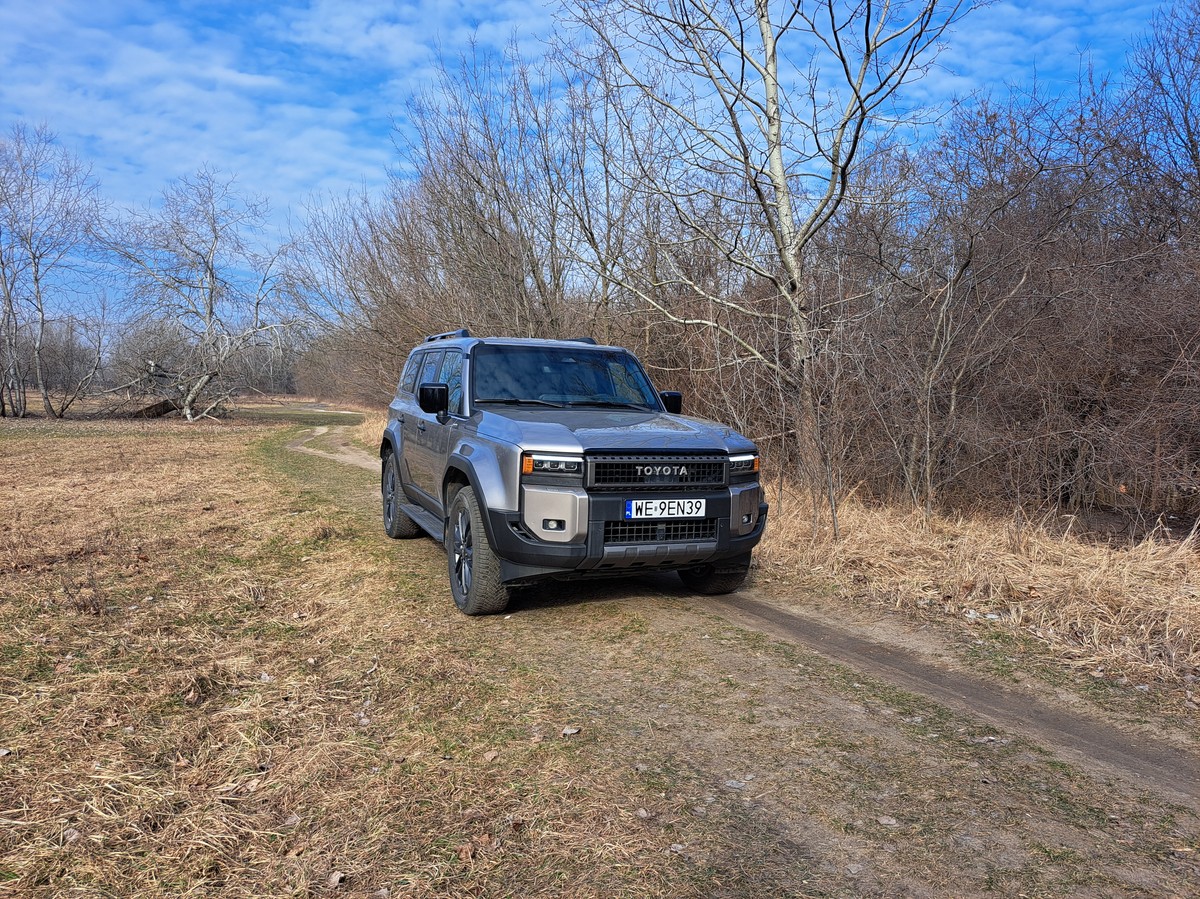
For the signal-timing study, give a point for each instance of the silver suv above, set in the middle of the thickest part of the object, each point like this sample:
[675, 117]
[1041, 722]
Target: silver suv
[535, 459]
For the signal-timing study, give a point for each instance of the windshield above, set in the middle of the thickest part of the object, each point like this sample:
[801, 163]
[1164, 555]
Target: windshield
[560, 376]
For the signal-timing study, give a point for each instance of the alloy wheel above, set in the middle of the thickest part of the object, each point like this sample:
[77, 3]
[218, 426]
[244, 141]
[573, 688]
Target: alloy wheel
[463, 548]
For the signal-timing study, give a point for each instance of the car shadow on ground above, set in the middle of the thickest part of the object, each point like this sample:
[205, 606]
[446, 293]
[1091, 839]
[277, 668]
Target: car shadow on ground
[555, 594]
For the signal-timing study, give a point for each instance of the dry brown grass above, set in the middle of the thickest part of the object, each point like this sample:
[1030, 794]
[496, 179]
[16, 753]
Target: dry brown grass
[214, 684]
[365, 432]
[370, 431]
[1133, 610]
[219, 679]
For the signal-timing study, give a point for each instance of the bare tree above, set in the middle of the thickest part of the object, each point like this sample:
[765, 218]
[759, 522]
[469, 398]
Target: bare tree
[954, 271]
[49, 207]
[486, 150]
[475, 233]
[1164, 99]
[370, 282]
[765, 110]
[198, 264]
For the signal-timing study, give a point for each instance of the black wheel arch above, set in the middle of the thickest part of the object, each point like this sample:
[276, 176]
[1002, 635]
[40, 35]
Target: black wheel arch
[387, 446]
[461, 473]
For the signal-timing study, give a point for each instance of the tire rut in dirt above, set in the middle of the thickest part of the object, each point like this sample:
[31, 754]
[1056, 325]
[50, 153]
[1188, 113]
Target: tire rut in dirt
[1135, 758]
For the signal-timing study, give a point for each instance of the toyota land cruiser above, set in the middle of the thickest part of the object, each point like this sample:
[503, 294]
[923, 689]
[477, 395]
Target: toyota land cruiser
[534, 459]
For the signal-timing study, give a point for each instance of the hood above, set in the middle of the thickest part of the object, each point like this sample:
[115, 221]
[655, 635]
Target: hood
[576, 431]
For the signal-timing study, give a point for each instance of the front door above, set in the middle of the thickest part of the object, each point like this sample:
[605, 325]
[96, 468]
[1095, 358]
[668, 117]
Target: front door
[434, 441]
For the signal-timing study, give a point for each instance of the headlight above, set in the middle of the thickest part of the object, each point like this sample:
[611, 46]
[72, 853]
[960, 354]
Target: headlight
[538, 463]
[743, 467]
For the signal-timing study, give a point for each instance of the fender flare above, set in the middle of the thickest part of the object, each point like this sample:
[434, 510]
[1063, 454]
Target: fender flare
[390, 444]
[458, 464]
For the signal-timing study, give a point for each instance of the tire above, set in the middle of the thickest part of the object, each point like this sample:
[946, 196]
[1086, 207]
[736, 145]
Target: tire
[718, 578]
[473, 568]
[397, 525]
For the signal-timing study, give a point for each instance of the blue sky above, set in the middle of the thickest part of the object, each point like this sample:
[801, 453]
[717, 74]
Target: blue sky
[299, 98]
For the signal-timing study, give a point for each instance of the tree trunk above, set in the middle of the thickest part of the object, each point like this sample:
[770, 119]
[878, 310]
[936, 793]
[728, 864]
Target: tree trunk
[189, 401]
[39, 369]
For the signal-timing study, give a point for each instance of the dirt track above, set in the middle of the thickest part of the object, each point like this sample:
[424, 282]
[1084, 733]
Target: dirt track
[1142, 758]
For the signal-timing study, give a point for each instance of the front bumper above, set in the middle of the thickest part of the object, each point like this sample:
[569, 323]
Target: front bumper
[604, 548]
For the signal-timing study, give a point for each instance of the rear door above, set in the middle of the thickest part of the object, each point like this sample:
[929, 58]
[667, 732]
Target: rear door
[401, 410]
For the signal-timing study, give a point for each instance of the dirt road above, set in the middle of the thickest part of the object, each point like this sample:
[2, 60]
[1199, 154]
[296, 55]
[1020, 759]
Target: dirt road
[847, 757]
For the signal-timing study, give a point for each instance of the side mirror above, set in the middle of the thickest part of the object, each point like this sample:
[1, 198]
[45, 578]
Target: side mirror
[672, 401]
[434, 399]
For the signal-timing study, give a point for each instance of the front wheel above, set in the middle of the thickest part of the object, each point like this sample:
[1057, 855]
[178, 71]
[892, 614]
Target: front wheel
[717, 578]
[473, 567]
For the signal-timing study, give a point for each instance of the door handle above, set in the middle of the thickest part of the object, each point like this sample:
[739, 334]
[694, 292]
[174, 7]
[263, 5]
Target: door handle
[420, 426]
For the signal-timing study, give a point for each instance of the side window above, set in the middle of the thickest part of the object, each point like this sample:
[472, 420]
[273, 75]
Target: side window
[429, 368]
[451, 375]
[408, 378]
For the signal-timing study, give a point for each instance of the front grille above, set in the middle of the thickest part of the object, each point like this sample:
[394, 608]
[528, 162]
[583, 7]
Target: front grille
[660, 531]
[655, 472]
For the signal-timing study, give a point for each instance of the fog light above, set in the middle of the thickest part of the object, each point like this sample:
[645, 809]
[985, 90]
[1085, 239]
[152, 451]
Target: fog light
[553, 524]
[746, 519]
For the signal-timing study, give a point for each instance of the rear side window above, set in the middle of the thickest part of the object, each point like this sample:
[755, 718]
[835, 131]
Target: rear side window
[408, 378]
[429, 368]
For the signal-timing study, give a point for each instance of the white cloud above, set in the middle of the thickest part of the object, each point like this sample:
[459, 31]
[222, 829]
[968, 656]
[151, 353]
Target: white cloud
[1012, 42]
[295, 100]
[299, 97]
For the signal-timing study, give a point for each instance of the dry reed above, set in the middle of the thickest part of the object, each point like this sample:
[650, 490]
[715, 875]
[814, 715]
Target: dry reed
[1132, 609]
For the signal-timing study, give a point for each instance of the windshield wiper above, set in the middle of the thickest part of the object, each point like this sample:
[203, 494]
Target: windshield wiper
[513, 401]
[611, 404]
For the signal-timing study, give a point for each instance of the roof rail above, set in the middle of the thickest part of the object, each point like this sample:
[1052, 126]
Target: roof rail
[461, 332]
[591, 340]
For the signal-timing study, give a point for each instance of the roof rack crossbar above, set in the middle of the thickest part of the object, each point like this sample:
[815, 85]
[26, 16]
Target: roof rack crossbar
[447, 335]
[591, 340]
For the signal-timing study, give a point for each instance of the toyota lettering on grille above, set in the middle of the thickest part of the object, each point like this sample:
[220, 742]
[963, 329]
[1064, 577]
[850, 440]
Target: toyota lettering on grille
[645, 471]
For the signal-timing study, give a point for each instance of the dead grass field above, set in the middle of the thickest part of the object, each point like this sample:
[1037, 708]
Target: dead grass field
[218, 679]
[215, 683]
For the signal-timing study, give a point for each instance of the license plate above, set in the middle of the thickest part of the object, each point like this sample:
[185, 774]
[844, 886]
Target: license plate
[664, 508]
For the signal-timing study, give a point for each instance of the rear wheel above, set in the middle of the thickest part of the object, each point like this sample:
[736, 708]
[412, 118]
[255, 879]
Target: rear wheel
[473, 567]
[395, 522]
[717, 578]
